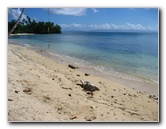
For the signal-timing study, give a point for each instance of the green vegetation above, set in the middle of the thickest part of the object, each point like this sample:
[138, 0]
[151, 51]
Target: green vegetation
[28, 26]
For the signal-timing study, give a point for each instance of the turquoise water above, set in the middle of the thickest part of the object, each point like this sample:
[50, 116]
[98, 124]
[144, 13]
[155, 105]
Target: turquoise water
[127, 55]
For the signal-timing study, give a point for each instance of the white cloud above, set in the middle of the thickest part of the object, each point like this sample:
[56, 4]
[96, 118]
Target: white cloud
[15, 13]
[69, 11]
[108, 27]
[73, 26]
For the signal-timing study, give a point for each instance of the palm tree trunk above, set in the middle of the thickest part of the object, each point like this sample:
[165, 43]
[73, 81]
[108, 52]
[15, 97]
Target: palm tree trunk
[18, 20]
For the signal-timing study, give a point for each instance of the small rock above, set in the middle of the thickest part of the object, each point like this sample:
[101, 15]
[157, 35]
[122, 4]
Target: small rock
[87, 74]
[16, 91]
[41, 51]
[78, 75]
[10, 100]
[69, 95]
[52, 78]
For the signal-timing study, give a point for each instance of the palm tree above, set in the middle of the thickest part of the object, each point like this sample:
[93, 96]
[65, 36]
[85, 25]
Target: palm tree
[18, 20]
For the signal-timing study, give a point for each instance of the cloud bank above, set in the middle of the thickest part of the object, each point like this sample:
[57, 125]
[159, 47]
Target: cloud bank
[71, 11]
[15, 13]
[108, 27]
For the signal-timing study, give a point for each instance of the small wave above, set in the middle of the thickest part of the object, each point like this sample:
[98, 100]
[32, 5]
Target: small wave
[79, 62]
[54, 54]
[99, 68]
[111, 72]
[27, 45]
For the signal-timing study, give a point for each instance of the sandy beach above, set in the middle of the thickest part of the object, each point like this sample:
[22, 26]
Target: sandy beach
[42, 90]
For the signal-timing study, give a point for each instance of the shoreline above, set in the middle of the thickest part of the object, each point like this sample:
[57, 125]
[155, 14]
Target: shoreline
[23, 34]
[40, 89]
[150, 87]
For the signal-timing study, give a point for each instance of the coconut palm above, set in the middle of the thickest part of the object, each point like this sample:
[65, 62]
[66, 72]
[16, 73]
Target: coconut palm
[18, 20]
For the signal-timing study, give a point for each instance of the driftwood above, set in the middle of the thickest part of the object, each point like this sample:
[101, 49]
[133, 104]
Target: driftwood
[88, 86]
[72, 66]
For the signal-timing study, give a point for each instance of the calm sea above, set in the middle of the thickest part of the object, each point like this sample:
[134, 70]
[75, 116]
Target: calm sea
[131, 56]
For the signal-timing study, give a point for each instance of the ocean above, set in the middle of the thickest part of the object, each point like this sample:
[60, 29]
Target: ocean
[128, 55]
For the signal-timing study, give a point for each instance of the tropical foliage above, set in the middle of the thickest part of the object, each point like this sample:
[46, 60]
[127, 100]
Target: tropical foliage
[31, 26]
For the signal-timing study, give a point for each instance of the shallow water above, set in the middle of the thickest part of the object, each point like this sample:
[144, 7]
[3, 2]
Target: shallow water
[132, 56]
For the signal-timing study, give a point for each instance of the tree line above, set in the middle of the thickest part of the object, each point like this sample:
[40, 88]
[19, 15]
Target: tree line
[31, 26]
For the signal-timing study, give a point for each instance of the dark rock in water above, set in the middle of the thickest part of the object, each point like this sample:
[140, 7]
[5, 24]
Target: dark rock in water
[41, 51]
[72, 66]
[87, 74]
[88, 86]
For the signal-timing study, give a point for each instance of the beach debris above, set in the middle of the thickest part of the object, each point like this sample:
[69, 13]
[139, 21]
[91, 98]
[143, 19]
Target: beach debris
[112, 96]
[16, 91]
[74, 117]
[90, 118]
[87, 74]
[46, 97]
[72, 66]
[133, 113]
[66, 88]
[10, 100]
[153, 97]
[78, 75]
[88, 86]
[27, 90]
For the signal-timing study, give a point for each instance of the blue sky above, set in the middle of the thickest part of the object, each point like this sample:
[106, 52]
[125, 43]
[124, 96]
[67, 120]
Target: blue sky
[94, 19]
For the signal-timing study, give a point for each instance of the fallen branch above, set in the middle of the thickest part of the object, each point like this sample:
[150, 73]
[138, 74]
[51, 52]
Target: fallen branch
[72, 66]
